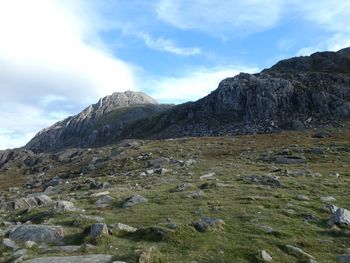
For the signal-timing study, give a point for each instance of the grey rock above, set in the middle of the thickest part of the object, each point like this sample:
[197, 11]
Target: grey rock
[30, 202]
[265, 256]
[207, 223]
[8, 243]
[269, 180]
[38, 233]
[121, 229]
[134, 200]
[98, 230]
[107, 199]
[196, 195]
[63, 206]
[73, 259]
[327, 199]
[297, 252]
[340, 217]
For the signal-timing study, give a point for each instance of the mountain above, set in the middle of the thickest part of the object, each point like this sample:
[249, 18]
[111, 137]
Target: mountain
[98, 124]
[294, 94]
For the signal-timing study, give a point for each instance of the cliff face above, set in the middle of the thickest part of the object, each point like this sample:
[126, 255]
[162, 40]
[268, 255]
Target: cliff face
[98, 124]
[294, 93]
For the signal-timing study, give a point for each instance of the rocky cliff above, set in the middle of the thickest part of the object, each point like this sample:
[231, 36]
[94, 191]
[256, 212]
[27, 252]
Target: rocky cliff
[294, 94]
[98, 124]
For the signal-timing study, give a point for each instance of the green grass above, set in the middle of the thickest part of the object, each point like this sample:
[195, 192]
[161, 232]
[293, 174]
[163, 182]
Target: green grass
[243, 206]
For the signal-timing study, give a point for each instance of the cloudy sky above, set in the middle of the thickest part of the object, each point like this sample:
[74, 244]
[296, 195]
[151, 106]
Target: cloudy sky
[58, 56]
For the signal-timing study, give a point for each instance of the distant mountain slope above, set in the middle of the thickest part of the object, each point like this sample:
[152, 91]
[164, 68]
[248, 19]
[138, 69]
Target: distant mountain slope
[292, 94]
[98, 124]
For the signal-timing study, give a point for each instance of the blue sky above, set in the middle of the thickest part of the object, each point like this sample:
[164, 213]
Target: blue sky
[58, 56]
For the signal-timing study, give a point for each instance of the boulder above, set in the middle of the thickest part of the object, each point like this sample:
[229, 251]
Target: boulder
[63, 206]
[207, 223]
[297, 252]
[8, 243]
[30, 202]
[265, 256]
[98, 230]
[134, 200]
[340, 217]
[38, 233]
[73, 259]
[121, 229]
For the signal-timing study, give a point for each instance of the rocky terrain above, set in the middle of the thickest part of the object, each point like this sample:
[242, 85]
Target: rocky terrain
[294, 94]
[280, 197]
[131, 180]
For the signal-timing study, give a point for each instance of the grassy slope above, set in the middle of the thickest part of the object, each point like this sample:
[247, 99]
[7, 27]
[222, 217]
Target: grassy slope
[241, 205]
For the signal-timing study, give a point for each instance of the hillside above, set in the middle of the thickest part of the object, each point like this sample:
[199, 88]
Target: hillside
[210, 199]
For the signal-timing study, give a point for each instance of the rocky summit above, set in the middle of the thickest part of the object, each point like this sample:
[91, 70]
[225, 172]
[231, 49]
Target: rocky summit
[100, 123]
[257, 171]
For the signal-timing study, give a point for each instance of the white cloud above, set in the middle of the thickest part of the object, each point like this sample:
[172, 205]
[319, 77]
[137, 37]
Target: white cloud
[168, 45]
[220, 17]
[333, 17]
[194, 85]
[52, 59]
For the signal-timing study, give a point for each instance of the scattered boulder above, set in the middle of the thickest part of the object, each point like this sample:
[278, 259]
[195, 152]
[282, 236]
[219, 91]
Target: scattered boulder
[134, 200]
[297, 252]
[38, 233]
[265, 256]
[63, 206]
[327, 199]
[269, 180]
[9, 244]
[98, 230]
[196, 195]
[30, 202]
[207, 223]
[206, 176]
[120, 229]
[73, 259]
[340, 217]
[105, 200]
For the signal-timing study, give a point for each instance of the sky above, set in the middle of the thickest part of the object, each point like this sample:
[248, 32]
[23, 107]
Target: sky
[59, 56]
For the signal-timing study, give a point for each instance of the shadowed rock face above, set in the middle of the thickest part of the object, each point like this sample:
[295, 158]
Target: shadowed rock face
[309, 90]
[98, 124]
